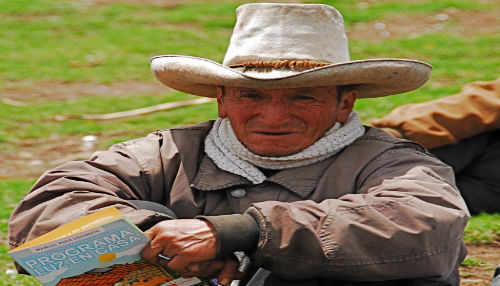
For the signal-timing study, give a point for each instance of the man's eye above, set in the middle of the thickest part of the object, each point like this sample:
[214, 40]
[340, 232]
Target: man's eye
[250, 95]
[303, 97]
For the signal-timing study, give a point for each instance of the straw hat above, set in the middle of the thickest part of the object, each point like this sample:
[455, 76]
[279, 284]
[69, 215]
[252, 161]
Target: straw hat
[289, 46]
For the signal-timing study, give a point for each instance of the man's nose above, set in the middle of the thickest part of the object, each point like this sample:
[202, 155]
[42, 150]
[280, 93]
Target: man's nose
[275, 113]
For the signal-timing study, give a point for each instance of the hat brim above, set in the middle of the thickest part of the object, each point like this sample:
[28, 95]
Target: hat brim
[372, 77]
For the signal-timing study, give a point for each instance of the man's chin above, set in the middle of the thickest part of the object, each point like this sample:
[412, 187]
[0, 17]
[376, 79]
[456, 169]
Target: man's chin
[275, 151]
[275, 145]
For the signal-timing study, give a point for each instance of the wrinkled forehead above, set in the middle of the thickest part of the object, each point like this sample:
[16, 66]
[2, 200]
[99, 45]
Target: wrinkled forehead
[323, 90]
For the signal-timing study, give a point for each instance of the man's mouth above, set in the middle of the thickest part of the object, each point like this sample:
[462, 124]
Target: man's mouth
[276, 134]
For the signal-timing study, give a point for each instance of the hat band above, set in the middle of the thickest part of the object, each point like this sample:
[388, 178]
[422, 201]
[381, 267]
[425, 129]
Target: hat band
[281, 63]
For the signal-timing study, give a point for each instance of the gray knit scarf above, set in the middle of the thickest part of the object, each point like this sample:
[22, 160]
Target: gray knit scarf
[229, 154]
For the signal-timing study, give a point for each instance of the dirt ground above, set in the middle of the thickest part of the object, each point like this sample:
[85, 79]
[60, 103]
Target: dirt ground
[29, 158]
[480, 275]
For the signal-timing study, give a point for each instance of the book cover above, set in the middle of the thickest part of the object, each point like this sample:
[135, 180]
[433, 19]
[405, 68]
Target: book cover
[99, 249]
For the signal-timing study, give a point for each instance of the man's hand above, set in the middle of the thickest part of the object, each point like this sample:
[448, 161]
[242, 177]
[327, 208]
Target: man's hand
[183, 240]
[192, 244]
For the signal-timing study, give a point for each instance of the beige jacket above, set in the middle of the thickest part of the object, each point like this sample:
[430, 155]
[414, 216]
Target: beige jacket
[381, 209]
[447, 120]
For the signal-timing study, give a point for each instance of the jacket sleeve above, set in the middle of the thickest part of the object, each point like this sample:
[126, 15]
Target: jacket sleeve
[444, 121]
[404, 221]
[75, 189]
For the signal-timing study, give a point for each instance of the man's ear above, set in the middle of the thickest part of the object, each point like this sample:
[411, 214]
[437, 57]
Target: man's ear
[220, 104]
[346, 105]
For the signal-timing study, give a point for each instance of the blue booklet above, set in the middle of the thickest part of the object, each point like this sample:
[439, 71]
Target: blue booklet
[100, 249]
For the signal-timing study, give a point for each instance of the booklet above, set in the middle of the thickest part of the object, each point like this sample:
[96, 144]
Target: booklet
[102, 249]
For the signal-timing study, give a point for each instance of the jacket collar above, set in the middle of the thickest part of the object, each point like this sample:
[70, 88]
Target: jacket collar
[301, 180]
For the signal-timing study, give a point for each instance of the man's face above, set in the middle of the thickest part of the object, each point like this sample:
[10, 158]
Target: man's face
[281, 122]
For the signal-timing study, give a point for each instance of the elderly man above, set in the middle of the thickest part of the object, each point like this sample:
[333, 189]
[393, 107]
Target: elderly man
[287, 174]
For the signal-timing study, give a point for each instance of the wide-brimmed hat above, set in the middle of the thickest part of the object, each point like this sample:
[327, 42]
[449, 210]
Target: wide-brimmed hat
[289, 46]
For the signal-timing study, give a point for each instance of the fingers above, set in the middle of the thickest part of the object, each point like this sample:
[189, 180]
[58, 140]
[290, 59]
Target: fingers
[191, 238]
[179, 264]
[150, 253]
[230, 270]
[205, 268]
[192, 246]
[227, 269]
[156, 246]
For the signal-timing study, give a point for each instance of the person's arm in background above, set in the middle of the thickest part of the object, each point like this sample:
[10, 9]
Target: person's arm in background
[447, 120]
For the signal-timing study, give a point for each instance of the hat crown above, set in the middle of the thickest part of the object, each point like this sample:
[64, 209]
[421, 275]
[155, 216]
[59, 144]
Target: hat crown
[289, 46]
[270, 32]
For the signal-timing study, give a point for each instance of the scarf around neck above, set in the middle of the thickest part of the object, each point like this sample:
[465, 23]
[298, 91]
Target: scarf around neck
[229, 154]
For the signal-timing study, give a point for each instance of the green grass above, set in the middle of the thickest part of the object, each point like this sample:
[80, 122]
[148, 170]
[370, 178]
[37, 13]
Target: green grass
[472, 261]
[11, 191]
[114, 42]
[37, 119]
[75, 41]
[354, 11]
[483, 228]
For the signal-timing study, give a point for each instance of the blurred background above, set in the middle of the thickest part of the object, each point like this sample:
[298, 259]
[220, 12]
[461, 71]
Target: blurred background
[63, 61]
